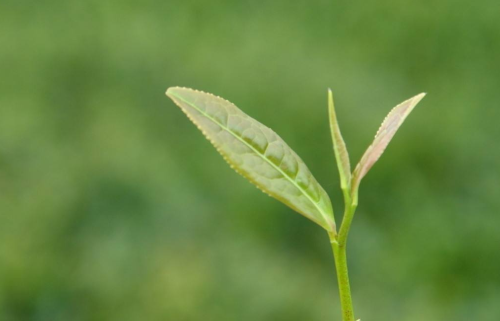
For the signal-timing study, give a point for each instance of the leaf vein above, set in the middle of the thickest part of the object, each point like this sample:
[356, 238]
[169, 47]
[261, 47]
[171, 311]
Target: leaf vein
[315, 203]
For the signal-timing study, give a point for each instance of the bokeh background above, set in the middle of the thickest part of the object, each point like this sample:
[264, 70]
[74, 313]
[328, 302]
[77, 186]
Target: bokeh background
[114, 207]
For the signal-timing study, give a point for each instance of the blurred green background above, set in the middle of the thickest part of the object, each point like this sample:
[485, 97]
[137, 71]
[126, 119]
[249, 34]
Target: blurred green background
[114, 207]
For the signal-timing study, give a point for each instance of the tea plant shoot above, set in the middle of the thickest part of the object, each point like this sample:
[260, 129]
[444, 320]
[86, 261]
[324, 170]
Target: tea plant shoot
[260, 155]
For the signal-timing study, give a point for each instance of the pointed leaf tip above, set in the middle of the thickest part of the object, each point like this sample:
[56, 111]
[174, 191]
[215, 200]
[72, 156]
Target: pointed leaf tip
[172, 91]
[257, 153]
[339, 147]
[384, 135]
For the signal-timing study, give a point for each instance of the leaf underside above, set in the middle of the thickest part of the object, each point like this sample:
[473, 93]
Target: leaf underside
[257, 153]
[386, 132]
[339, 147]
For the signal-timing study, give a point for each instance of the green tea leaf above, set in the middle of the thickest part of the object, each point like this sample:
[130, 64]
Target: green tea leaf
[341, 154]
[384, 135]
[257, 153]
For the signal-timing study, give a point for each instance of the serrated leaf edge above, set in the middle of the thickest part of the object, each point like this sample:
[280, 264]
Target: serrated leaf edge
[327, 219]
[360, 170]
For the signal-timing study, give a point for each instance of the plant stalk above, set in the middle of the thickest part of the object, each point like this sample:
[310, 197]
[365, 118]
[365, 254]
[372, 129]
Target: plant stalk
[339, 243]
[339, 253]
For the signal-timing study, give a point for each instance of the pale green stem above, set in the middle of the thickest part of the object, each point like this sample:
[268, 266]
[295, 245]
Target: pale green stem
[346, 223]
[339, 252]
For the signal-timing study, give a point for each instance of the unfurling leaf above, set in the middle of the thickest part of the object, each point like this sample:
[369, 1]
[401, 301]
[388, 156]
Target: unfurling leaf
[341, 154]
[257, 153]
[384, 135]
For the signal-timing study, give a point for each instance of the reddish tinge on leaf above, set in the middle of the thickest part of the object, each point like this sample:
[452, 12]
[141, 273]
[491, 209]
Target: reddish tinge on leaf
[384, 135]
[339, 147]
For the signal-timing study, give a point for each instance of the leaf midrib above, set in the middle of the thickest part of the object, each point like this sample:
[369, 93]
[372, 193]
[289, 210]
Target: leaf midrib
[325, 217]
